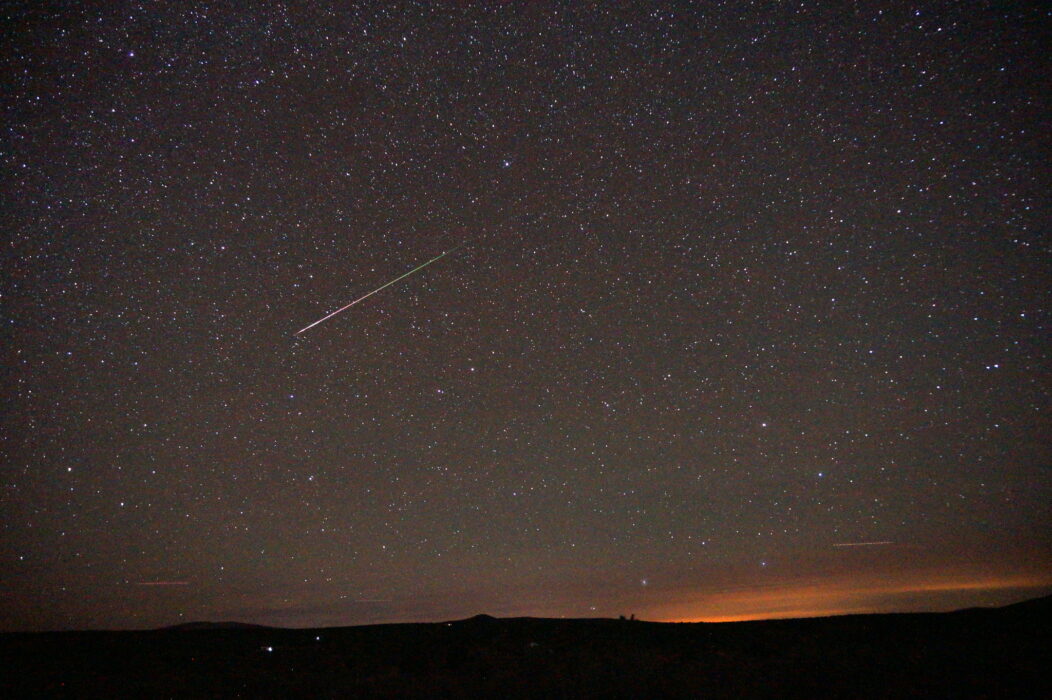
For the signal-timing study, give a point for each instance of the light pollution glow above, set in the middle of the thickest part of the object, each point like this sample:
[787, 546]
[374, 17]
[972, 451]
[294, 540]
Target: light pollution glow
[841, 597]
[816, 595]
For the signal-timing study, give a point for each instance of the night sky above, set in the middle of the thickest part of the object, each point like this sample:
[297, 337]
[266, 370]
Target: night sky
[749, 317]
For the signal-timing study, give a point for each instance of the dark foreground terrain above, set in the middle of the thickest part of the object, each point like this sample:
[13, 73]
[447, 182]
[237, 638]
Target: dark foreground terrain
[1000, 653]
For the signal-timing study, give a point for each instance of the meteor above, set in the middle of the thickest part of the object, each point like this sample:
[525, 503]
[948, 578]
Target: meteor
[162, 583]
[363, 298]
[863, 544]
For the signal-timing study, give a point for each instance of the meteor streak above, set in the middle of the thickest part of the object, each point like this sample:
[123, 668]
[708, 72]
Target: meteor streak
[363, 298]
[163, 583]
[863, 544]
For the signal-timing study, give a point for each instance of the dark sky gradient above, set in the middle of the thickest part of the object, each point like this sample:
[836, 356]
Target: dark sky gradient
[742, 282]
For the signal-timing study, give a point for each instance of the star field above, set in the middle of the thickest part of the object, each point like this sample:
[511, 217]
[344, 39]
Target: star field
[741, 283]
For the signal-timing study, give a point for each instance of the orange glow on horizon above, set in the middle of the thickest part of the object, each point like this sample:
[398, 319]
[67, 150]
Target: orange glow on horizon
[782, 615]
[836, 597]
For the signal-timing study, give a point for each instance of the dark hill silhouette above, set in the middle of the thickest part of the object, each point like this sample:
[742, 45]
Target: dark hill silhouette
[996, 653]
[227, 625]
[481, 619]
[1034, 606]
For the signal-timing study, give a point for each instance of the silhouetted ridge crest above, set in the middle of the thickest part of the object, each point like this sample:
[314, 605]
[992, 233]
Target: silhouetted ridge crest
[481, 619]
[224, 625]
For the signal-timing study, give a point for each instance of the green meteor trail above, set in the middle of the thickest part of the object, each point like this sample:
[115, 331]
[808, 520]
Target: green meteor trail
[385, 286]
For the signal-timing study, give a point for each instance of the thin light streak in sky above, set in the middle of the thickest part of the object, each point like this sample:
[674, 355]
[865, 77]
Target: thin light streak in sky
[863, 544]
[385, 286]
